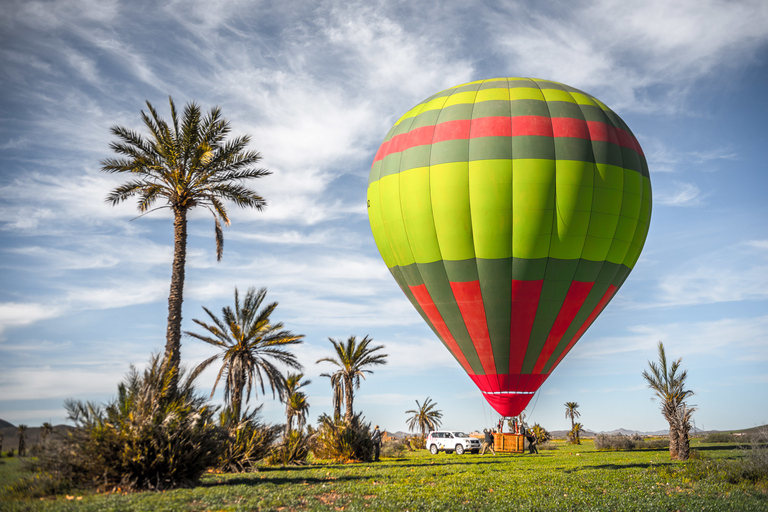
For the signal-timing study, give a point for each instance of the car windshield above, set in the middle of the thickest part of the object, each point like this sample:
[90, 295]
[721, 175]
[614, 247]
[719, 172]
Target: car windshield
[460, 434]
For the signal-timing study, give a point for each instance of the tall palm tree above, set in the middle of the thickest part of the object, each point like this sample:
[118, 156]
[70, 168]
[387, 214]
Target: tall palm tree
[186, 164]
[249, 344]
[571, 412]
[425, 417]
[352, 358]
[669, 386]
[296, 404]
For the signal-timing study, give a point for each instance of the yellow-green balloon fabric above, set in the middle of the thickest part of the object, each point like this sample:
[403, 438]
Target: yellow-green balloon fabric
[509, 211]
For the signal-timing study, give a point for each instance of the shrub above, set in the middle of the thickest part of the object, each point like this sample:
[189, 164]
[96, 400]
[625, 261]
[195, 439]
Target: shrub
[247, 442]
[719, 437]
[339, 442]
[394, 448]
[542, 435]
[417, 443]
[617, 442]
[151, 436]
[547, 446]
[293, 450]
[634, 442]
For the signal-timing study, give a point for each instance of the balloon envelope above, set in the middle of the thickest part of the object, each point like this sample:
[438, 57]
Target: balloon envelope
[509, 211]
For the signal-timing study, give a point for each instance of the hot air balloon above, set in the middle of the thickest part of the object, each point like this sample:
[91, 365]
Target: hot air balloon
[509, 211]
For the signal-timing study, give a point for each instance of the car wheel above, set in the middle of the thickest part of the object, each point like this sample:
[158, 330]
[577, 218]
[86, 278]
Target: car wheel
[433, 450]
[459, 450]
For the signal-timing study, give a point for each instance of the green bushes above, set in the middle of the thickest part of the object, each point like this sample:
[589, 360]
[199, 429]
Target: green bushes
[293, 450]
[542, 435]
[719, 437]
[150, 437]
[634, 442]
[340, 442]
[248, 441]
[394, 448]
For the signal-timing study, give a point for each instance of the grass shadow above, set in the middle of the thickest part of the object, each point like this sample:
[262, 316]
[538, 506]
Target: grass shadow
[638, 465]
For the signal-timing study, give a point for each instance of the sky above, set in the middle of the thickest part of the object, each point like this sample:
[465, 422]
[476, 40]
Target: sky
[317, 85]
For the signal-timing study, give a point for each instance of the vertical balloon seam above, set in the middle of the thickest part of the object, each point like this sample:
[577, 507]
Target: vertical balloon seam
[437, 238]
[570, 332]
[472, 231]
[547, 367]
[554, 216]
[416, 265]
[618, 267]
[511, 319]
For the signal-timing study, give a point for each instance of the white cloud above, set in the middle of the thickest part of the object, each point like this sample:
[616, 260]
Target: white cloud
[14, 314]
[681, 194]
[639, 47]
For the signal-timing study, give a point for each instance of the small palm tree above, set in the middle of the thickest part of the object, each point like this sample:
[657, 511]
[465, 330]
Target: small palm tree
[571, 412]
[669, 386]
[425, 417]
[296, 404]
[352, 358]
[22, 433]
[45, 431]
[249, 343]
[186, 164]
[574, 436]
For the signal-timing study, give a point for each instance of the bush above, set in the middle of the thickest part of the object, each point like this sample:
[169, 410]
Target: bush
[394, 448]
[248, 441]
[293, 450]
[341, 443]
[542, 435]
[547, 446]
[719, 437]
[150, 437]
[417, 443]
[634, 442]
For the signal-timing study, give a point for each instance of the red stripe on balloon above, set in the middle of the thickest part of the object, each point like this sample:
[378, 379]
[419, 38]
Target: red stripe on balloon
[532, 125]
[525, 301]
[451, 130]
[469, 298]
[422, 296]
[574, 299]
[570, 127]
[606, 298]
[500, 126]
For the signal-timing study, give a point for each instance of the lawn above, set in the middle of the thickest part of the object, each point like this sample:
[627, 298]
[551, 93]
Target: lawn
[569, 478]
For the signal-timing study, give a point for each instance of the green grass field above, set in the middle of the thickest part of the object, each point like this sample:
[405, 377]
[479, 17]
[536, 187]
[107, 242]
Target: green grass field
[569, 478]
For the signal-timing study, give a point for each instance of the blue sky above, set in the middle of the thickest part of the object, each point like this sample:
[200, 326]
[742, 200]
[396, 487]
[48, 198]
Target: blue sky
[317, 85]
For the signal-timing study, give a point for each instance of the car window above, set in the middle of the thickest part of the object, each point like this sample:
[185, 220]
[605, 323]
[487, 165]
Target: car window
[448, 434]
[460, 434]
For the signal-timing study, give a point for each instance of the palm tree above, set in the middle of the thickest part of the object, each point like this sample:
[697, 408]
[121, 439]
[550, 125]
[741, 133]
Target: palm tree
[575, 433]
[45, 431]
[351, 358]
[571, 412]
[187, 164]
[669, 386]
[249, 343]
[22, 433]
[296, 405]
[425, 417]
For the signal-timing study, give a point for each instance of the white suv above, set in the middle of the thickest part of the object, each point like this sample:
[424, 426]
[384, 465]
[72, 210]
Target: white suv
[450, 440]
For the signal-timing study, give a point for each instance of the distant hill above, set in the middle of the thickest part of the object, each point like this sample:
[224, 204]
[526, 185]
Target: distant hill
[5, 424]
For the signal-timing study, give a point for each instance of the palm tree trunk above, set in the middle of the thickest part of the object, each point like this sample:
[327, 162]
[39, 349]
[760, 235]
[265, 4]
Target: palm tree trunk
[237, 399]
[172, 357]
[350, 396]
[673, 440]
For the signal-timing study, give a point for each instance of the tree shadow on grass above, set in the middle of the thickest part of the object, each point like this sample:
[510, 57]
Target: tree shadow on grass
[640, 465]
[260, 478]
